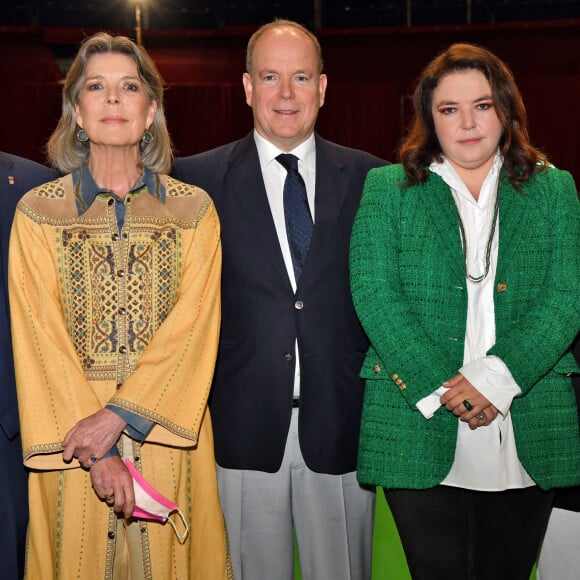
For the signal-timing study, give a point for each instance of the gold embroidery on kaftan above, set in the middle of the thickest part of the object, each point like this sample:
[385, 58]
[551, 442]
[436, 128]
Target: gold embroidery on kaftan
[106, 284]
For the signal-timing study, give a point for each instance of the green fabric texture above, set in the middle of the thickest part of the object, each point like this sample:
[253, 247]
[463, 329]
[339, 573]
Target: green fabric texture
[409, 290]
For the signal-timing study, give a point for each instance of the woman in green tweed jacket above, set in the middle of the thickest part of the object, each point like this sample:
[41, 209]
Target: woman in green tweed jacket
[465, 275]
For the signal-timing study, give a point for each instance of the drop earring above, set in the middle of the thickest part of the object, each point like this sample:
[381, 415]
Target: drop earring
[147, 137]
[82, 136]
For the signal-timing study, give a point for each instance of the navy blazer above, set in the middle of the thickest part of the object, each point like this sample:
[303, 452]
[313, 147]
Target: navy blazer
[17, 176]
[251, 400]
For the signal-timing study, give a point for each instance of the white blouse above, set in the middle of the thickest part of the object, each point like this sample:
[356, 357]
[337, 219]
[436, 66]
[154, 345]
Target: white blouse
[486, 458]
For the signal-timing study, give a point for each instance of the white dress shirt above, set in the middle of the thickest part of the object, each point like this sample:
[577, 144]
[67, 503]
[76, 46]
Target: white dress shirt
[486, 458]
[274, 175]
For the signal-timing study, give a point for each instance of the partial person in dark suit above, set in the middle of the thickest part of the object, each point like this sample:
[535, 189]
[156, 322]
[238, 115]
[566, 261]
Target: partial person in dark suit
[287, 397]
[560, 556]
[17, 176]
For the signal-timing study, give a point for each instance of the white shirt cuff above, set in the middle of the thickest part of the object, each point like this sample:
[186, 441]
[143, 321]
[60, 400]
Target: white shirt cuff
[429, 404]
[491, 377]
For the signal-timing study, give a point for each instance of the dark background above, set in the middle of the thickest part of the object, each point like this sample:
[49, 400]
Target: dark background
[373, 54]
[173, 14]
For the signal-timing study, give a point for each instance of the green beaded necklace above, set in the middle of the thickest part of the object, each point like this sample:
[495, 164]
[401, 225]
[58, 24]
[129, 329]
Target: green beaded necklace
[479, 279]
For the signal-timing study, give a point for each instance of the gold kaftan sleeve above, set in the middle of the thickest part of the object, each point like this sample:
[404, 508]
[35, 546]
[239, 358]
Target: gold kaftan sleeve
[53, 392]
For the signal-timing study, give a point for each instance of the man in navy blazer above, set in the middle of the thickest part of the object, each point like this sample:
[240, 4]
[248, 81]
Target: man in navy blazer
[17, 176]
[287, 399]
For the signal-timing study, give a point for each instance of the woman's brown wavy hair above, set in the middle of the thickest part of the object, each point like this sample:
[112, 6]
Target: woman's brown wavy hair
[421, 146]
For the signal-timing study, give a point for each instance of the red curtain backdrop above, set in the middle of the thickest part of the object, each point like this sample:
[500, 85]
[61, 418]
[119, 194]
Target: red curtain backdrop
[371, 76]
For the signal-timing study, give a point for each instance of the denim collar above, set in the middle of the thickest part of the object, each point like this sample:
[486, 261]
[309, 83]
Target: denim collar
[86, 190]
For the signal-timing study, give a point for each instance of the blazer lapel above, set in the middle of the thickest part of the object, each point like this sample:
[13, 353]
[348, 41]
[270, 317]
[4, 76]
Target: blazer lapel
[331, 188]
[5, 161]
[511, 203]
[245, 179]
[445, 222]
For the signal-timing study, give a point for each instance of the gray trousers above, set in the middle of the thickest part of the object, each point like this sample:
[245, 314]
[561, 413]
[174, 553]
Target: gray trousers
[331, 515]
[560, 553]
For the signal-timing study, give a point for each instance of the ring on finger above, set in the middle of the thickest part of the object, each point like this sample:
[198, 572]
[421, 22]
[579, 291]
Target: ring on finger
[480, 416]
[467, 405]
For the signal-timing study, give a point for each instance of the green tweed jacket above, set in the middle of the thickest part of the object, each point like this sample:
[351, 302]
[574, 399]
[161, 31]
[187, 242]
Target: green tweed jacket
[409, 289]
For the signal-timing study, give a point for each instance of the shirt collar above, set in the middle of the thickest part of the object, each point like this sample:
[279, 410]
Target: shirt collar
[267, 151]
[447, 172]
[86, 189]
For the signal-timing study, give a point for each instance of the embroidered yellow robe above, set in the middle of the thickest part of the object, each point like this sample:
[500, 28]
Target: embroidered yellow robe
[131, 319]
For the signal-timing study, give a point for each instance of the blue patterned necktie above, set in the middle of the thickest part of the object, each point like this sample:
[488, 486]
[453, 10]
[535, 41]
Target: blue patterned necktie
[296, 213]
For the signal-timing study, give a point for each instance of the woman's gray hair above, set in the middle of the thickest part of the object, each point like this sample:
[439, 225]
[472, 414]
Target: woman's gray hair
[65, 151]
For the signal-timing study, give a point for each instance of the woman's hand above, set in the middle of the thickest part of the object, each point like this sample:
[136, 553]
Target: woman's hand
[92, 437]
[478, 412]
[113, 483]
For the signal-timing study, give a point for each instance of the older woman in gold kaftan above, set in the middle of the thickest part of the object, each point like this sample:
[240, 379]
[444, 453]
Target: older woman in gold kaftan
[114, 282]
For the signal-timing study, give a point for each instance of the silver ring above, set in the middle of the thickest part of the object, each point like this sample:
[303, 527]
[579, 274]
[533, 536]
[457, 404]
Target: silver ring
[480, 416]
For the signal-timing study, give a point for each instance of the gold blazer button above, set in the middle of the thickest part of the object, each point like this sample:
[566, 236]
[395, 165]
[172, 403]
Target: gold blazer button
[502, 287]
[377, 369]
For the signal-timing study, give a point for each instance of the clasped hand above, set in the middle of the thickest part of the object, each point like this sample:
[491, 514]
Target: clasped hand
[480, 412]
[92, 437]
[87, 441]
